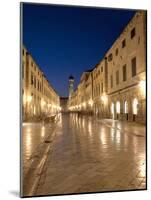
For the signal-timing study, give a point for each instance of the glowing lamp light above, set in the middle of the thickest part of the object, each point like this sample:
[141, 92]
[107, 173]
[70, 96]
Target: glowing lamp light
[29, 98]
[24, 99]
[91, 102]
[43, 103]
[104, 98]
[84, 104]
[142, 86]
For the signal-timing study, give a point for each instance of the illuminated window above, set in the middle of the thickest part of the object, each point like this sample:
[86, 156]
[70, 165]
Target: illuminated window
[117, 107]
[135, 106]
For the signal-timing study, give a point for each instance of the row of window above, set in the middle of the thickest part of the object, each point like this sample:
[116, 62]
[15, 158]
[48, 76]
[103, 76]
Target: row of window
[35, 68]
[97, 90]
[124, 72]
[39, 87]
[49, 94]
[37, 98]
[132, 35]
[34, 97]
[98, 72]
[36, 83]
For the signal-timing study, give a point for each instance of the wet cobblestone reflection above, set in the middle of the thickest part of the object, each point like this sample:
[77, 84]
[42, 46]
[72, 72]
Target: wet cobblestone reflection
[89, 156]
[33, 136]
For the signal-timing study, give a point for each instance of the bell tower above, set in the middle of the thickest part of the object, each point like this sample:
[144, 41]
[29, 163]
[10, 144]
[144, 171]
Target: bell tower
[71, 85]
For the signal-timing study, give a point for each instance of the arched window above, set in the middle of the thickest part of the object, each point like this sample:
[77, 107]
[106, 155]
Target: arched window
[125, 107]
[118, 107]
[135, 106]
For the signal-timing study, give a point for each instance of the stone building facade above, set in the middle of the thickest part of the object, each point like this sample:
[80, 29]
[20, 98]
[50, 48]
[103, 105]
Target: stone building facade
[126, 61]
[118, 82]
[39, 97]
[81, 99]
[100, 98]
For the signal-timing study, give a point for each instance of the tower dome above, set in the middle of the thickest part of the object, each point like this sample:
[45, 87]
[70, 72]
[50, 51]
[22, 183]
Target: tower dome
[71, 77]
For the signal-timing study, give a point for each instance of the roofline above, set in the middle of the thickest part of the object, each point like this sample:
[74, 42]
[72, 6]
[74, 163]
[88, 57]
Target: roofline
[41, 70]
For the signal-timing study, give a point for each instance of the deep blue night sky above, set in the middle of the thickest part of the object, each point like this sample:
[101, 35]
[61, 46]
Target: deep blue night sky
[70, 40]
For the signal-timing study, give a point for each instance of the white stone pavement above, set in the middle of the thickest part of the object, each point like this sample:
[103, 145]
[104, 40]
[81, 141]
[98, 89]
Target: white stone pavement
[137, 129]
[89, 156]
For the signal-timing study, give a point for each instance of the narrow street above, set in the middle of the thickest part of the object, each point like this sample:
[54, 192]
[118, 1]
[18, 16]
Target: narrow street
[88, 155]
[84, 118]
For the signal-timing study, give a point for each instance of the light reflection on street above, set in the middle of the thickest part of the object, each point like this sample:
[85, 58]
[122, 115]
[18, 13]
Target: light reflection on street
[90, 128]
[112, 132]
[87, 148]
[28, 142]
[118, 137]
[91, 151]
[43, 131]
[103, 136]
[33, 134]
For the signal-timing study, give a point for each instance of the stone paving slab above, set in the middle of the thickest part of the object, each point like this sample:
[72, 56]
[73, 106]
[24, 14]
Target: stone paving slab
[88, 156]
[135, 128]
[34, 160]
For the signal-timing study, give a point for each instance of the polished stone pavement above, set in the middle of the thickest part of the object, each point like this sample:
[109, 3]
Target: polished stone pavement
[89, 156]
[33, 136]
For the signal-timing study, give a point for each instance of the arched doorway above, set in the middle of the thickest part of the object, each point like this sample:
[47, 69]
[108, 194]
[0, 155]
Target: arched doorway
[112, 110]
[135, 109]
[118, 109]
[126, 109]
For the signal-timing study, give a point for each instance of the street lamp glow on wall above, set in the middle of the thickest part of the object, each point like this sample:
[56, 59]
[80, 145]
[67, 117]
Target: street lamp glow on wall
[84, 104]
[135, 106]
[29, 98]
[104, 98]
[42, 104]
[91, 102]
[24, 99]
[142, 85]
